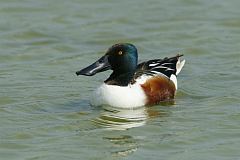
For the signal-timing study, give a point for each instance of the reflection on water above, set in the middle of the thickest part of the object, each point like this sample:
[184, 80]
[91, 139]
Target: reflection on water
[121, 119]
[111, 118]
[126, 143]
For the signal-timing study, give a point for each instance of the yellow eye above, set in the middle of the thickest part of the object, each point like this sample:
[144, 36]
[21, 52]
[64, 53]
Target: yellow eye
[120, 53]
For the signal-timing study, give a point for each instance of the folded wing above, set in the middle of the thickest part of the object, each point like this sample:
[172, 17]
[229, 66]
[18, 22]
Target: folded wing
[169, 67]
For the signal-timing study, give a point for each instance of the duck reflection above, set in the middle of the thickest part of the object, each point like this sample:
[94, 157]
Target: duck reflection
[123, 145]
[121, 119]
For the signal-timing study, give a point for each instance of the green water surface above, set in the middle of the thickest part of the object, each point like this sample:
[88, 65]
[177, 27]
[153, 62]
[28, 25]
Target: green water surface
[44, 108]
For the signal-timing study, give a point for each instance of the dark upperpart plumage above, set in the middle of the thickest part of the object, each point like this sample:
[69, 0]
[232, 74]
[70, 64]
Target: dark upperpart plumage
[166, 66]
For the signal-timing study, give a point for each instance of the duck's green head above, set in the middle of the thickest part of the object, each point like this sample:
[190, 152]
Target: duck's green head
[121, 58]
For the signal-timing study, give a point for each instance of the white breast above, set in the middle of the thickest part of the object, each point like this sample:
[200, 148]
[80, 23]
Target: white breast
[131, 96]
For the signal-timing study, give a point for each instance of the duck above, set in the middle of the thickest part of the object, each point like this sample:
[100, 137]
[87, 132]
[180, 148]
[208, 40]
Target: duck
[132, 85]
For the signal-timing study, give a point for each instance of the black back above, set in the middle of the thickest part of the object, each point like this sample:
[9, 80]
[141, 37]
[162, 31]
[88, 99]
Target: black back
[166, 66]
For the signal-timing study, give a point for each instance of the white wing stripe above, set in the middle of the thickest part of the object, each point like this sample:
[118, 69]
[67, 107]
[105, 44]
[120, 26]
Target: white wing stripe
[153, 64]
[160, 67]
[166, 63]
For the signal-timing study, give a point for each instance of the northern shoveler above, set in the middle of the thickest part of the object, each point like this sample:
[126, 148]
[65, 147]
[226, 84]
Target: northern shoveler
[133, 85]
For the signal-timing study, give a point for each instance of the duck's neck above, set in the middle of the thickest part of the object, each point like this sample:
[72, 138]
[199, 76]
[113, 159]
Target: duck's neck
[120, 79]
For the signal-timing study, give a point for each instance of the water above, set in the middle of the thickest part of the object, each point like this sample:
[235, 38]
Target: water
[44, 108]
